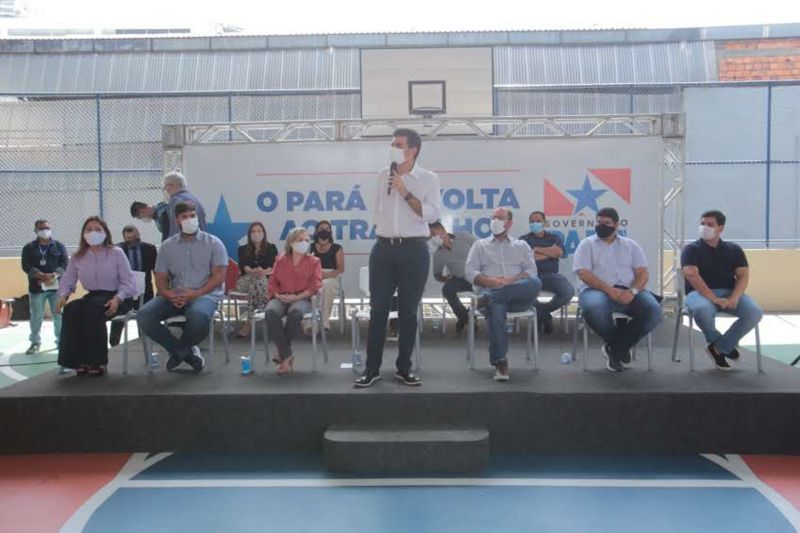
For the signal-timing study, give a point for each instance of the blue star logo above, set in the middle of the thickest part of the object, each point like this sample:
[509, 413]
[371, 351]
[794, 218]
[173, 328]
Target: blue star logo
[586, 196]
[229, 232]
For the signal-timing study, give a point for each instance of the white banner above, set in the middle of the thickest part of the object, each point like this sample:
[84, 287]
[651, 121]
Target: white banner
[298, 184]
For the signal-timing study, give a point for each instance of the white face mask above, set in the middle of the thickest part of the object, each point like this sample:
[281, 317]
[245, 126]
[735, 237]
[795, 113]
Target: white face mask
[706, 233]
[146, 220]
[43, 233]
[397, 155]
[437, 241]
[497, 226]
[257, 237]
[95, 238]
[300, 247]
[190, 226]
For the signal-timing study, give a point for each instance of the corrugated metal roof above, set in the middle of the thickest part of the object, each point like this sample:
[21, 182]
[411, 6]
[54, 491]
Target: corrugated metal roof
[169, 72]
[338, 69]
[111, 43]
[660, 63]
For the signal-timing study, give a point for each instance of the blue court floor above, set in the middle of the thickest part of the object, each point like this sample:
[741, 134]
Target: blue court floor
[543, 493]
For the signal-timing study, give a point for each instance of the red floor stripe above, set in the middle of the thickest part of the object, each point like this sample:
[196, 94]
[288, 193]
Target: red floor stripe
[781, 472]
[38, 493]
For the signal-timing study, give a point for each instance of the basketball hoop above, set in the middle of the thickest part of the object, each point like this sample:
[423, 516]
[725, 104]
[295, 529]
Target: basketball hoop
[427, 98]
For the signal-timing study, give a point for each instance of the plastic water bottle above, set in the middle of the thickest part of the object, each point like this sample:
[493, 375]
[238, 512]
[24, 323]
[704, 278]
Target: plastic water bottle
[247, 365]
[566, 358]
[153, 360]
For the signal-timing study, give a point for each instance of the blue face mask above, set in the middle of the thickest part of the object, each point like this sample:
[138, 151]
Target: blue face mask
[537, 227]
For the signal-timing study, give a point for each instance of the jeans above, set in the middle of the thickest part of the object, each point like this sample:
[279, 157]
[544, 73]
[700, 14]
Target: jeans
[283, 335]
[450, 291]
[562, 290]
[704, 313]
[198, 315]
[516, 297]
[37, 301]
[403, 267]
[597, 309]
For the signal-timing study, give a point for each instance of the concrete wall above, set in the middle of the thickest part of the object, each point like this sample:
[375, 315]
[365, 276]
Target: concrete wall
[771, 280]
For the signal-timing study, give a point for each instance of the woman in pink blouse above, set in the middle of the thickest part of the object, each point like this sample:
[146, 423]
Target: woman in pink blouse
[105, 273]
[296, 277]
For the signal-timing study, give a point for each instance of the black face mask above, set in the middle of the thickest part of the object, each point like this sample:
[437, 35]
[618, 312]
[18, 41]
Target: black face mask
[324, 235]
[134, 242]
[604, 231]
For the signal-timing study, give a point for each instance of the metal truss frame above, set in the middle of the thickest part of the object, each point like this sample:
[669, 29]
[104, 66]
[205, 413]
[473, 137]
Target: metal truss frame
[670, 127]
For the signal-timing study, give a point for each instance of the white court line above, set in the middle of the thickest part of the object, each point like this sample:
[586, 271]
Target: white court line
[5, 359]
[434, 482]
[137, 463]
[737, 466]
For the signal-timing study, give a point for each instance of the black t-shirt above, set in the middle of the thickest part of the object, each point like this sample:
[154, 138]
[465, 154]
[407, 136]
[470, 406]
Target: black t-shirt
[264, 260]
[717, 265]
[328, 259]
[545, 241]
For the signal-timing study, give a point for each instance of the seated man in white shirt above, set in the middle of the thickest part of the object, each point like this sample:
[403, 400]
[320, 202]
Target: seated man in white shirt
[504, 273]
[612, 272]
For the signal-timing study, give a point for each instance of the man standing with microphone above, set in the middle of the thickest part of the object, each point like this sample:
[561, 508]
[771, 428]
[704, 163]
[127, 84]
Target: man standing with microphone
[408, 199]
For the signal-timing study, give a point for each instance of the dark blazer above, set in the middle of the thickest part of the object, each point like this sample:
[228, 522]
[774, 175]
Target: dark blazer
[149, 255]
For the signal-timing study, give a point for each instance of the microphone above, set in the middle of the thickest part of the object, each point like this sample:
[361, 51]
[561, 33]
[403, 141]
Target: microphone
[392, 172]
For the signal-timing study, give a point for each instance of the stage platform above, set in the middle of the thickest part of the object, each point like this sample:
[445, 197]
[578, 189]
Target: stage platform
[558, 408]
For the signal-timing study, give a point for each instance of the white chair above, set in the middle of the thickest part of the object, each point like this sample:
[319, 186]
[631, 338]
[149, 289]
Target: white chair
[234, 299]
[682, 311]
[131, 315]
[342, 312]
[361, 314]
[474, 314]
[445, 305]
[543, 298]
[580, 323]
[316, 328]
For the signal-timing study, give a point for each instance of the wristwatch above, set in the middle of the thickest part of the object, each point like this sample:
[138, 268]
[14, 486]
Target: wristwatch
[634, 291]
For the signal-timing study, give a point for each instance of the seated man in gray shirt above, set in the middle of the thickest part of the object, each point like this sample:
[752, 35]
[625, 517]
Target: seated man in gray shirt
[189, 272]
[451, 252]
[503, 270]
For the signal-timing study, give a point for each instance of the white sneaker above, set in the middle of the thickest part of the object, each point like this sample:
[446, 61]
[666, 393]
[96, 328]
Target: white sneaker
[501, 371]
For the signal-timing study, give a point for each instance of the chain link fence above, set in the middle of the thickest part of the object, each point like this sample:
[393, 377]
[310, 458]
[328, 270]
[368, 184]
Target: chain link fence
[67, 158]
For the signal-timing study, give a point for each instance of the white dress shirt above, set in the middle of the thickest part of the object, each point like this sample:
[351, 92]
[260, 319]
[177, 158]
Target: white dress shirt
[392, 215]
[492, 257]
